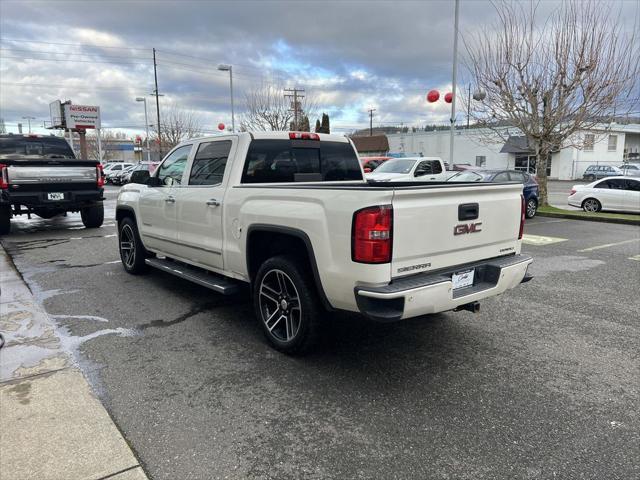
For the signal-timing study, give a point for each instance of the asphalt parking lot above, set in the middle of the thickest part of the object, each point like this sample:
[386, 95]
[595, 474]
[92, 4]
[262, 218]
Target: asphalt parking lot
[543, 383]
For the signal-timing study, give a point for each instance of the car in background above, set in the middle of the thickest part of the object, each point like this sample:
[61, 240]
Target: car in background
[117, 177]
[415, 169]
[593, 172]
[113, 169]
[632, 169]
[369, 164]
[613, 194]
[148, 166]
[530, 184]
[461, 167]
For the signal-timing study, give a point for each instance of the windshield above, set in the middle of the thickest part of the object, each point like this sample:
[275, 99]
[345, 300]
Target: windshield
[47, 147]
[396, 166]
[467, 176]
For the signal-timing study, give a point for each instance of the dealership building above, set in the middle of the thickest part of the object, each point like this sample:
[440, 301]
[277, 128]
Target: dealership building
[613, 145]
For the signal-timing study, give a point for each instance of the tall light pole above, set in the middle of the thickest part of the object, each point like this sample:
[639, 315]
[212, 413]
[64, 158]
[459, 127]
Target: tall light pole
[146, 125]
[28, 119]
[228, 68]
[454, 79]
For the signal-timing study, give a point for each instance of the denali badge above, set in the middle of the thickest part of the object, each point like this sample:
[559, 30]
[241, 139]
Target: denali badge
[467, 228]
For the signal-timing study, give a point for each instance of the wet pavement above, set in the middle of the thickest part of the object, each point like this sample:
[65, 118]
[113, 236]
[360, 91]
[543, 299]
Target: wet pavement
[543, 383]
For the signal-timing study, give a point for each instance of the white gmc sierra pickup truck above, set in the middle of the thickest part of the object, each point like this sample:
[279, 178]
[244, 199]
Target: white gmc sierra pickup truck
[292, 215]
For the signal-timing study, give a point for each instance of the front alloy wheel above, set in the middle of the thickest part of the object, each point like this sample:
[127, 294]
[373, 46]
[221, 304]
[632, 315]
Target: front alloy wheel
[132, 252]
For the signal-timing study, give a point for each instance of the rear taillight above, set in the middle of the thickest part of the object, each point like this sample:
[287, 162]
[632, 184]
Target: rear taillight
[100, 175]
[522, 216]
[4, 177]
[372, 235]
[303, 136]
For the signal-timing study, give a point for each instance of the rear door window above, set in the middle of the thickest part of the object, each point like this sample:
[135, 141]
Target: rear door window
[283, 161]
[210, 162]
[502, 177]
[633, 185]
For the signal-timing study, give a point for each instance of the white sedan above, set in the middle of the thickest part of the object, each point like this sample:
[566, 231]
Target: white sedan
[620, 194]
[411, 170]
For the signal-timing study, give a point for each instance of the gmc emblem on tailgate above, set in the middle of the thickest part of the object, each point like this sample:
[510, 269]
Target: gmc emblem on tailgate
[467, 228]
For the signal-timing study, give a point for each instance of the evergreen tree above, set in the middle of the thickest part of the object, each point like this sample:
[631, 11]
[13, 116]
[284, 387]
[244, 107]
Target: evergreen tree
[305, 127]
[318, 127]
[325, 123]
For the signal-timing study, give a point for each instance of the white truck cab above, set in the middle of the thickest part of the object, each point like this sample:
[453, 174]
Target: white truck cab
[291, 214]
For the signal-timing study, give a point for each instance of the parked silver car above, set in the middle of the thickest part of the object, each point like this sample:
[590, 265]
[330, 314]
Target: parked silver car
[594, 172]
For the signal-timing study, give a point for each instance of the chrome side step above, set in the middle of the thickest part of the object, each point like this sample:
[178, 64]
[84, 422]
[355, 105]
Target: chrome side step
[215, 282]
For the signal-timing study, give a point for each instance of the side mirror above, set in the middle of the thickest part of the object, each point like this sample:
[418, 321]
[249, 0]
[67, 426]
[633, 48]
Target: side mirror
[140, 176]
[367, 170]
[154, 182]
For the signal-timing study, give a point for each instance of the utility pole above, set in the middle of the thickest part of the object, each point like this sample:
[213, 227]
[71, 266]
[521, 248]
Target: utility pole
[469, 107]
[296, 94]
[156, 94]
[453, 81]
[371, 110]
[28, 119]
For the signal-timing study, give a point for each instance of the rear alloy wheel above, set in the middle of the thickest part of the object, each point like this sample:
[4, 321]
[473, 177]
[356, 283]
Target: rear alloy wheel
[92, 217]
[531, 208]
[132, 252]
[287, 305]
[591, 205]
[5, 220]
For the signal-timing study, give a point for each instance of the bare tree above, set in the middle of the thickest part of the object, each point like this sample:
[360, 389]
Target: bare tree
[178, 124]
[554, 79]
[267, 109]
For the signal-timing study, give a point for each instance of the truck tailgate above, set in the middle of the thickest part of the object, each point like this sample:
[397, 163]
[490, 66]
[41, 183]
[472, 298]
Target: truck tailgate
[41, 174]
[431, 232]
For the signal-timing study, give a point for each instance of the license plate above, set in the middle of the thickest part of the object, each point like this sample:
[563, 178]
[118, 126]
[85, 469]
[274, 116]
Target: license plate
[55, 196]
[462, 279]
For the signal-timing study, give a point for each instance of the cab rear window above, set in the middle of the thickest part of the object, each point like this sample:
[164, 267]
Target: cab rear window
[284, 161]
[48, 147]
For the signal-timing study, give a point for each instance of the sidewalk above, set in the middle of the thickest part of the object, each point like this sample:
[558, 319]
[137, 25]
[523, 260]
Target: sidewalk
[51, 424]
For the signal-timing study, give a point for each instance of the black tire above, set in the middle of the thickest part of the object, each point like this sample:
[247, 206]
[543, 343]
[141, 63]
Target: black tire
[5, 220]
[591, 205]
[133, 258]
[296, 329]
[92, 217]
[591, 178]
[531, 208]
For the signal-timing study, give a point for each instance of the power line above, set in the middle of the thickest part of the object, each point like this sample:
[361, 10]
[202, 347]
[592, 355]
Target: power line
[22, 40]
[40, 52]
[70, 60]
[295, 93]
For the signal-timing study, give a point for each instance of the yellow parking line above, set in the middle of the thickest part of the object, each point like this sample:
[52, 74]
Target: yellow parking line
[541, 240]
[598, 247]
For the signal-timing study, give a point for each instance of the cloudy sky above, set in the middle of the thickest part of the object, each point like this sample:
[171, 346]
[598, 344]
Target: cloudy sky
[348, 55]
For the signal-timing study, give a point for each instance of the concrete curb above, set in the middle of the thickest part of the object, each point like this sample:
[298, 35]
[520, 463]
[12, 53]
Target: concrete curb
[53, 426]
[622, 221]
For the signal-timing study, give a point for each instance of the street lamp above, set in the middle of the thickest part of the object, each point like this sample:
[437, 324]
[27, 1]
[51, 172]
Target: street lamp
[228, 68]
[28, 119]
[146, 124]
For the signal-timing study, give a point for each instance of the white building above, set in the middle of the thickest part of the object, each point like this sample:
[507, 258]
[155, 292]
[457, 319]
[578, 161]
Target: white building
[613, 146]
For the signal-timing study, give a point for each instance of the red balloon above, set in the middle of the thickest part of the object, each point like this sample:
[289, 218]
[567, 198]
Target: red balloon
[448, 97]
[221, 126]
[433, 96]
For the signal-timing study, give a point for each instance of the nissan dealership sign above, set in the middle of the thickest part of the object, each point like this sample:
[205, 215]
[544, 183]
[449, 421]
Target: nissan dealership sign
[81, 116]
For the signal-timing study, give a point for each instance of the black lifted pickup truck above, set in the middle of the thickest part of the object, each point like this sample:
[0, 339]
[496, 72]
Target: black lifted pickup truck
[41, 175]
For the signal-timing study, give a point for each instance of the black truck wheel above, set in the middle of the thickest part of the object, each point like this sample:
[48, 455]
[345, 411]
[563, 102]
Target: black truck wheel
[287, 305]
[5, 220]
[92, 217]
[132, 252]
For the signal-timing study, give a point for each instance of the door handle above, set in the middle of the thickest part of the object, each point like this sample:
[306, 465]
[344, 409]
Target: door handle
[170, 200]
[213, 202]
